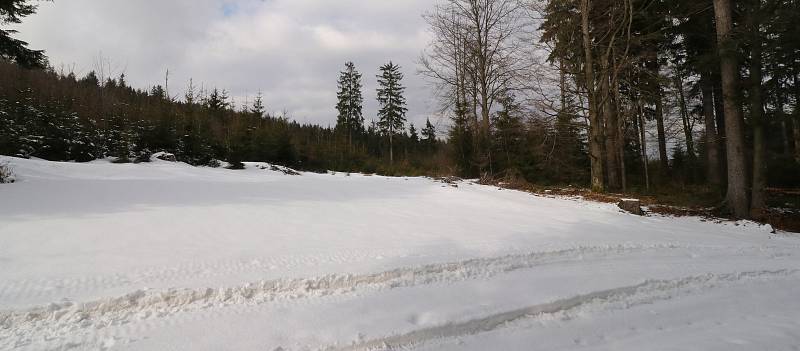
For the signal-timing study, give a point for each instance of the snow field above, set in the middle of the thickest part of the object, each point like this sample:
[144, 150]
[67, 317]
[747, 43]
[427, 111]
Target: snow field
[167, 256]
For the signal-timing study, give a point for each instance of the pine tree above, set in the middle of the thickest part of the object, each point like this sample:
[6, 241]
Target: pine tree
[412, 133]
[91, 79]
[509, 137]
[392, 111]
[15, 50]
[350, 119]
[737, 197]
[158, 92]
[217, 101]
[460, 137]
[429, 133]
[190, 93]
[258, 106]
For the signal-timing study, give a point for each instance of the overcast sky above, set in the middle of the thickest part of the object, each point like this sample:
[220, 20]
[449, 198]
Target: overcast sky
[292, 50]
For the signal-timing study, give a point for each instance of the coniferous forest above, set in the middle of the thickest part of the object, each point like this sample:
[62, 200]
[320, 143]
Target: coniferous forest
[631, 96]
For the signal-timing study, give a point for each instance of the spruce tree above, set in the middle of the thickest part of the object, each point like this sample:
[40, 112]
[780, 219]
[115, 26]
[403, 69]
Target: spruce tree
[508, 142]
[392, 112]
[460, 137]
[412, 133]
[217, 101]
[351, 118]
[258, 106]
[429, 133]
[15, 50]
[158, 92]
[190, 94]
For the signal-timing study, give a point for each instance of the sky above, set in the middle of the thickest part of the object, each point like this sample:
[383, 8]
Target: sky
[290, 50]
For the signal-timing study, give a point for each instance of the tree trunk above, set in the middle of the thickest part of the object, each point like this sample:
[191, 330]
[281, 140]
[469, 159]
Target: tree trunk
[662, 136]
[719, 108]
[643, 144]
[796, 122]
[713, 166]
[719, 111]
[796, 135]
[612, 131]
[780, 115]
[595, 123]
[737, 197]
[758, 201]
[687, 123]
[620, 138]
[654, 67]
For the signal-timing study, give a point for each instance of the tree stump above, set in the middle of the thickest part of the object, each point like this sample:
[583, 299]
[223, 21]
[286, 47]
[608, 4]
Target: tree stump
[633, 206]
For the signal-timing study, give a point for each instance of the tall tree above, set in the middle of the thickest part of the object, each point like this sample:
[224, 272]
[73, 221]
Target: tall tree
[15, 50]
[796, 121]
[711, 138]
[595, 120]
[657, 98]
[413, 134]
[688, 122]
[218, 100]
[475, 58]
[392, 112]
[258, 108]
[429, 133]
[190, 94]
[758, 201]
[350, 118]
[737, 197]
[475, 54]
[696, 39]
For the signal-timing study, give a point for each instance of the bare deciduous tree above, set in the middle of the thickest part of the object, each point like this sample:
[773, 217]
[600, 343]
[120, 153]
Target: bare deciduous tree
[474, 58]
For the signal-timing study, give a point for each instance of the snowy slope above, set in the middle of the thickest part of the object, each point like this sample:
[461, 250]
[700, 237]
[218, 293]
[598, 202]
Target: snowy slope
[166, 256]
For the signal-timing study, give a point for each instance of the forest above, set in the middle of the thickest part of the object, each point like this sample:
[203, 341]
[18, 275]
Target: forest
[624, 96]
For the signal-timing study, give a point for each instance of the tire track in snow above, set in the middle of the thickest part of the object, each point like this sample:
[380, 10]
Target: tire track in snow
[60, 318]
[51, 289]
[57, 321]
[46, 290]
[618, 298]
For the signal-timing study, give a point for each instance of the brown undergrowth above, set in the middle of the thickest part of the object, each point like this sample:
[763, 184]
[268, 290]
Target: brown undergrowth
[783, 213]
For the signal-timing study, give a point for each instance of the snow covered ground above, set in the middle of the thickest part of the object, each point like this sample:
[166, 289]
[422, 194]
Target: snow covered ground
[164, 256]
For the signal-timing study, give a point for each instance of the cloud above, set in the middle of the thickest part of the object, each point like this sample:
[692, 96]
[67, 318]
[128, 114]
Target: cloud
[291, 50]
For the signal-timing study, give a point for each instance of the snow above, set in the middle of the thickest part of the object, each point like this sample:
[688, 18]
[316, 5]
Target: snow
[167, 256]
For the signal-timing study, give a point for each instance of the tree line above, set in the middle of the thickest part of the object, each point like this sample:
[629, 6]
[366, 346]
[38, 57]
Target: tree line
[711, 85]
[55, 115]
